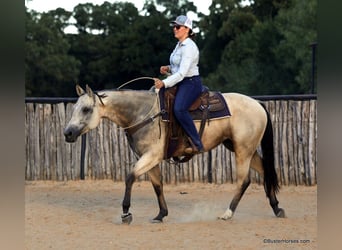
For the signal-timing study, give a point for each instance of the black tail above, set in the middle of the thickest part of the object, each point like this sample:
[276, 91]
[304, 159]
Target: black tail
[270, 175]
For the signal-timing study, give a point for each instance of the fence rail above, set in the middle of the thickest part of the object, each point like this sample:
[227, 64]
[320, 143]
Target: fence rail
[105, 153]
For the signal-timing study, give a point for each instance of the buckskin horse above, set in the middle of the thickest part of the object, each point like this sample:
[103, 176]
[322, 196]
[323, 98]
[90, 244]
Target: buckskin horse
[248, 127]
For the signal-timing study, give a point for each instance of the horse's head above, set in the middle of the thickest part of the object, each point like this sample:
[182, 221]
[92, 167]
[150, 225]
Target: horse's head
[85, 114]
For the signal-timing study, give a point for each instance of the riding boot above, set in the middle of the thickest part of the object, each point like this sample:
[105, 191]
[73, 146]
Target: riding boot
[193, 149]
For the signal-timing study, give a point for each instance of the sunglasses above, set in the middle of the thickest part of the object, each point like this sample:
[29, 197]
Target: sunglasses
[177, 26]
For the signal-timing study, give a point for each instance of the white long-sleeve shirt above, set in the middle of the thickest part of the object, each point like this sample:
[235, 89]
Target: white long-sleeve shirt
[183, 62]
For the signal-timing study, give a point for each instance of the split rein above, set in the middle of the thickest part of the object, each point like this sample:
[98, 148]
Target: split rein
[130, 130]
[148, 117]
[136, 79]
[146, 120]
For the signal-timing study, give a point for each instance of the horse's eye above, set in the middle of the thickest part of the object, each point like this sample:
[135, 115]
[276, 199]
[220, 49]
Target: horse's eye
[86, 110]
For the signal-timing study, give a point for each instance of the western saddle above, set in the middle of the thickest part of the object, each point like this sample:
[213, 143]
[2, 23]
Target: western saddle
[208, 105]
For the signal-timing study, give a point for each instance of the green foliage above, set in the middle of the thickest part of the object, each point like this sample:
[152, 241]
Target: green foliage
[266, 49]
[262, 48]
[48, 66]
[297, 25]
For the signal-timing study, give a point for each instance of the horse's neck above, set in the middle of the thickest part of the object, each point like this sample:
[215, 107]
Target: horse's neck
[128, 107]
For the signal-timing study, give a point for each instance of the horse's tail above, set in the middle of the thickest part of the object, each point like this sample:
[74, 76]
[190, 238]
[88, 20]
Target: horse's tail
[270, 175]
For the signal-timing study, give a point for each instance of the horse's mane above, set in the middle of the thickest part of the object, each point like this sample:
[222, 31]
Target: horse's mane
[104, 95]
[100, 96]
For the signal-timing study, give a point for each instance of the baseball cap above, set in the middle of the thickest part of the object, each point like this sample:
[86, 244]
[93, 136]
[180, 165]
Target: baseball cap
[183, 20]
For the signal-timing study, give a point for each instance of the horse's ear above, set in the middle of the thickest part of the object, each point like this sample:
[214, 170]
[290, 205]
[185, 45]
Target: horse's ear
[89, 91]
[79, 90]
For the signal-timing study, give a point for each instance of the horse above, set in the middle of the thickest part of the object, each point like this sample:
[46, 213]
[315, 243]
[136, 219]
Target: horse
[248, 127]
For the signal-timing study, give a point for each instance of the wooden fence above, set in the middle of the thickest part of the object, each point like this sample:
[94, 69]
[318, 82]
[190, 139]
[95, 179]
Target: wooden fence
[106, 153]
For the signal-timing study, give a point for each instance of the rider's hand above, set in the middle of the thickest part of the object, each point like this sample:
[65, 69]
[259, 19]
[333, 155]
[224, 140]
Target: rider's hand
[164, 70]
[158, 83]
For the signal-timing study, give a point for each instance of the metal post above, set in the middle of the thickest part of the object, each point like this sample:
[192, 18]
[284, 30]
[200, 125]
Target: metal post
[83, 147]
[313, 68]
[210, 172]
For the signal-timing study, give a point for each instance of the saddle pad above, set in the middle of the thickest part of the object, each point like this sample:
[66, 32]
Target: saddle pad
[218, 108]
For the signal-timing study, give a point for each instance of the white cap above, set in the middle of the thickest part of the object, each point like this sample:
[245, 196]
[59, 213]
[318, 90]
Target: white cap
[183, 20]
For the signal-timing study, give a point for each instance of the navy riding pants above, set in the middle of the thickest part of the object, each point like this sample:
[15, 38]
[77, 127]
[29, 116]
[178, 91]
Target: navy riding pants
[189, 89]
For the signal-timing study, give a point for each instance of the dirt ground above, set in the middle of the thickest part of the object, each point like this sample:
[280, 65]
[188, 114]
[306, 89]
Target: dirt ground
[86, 215]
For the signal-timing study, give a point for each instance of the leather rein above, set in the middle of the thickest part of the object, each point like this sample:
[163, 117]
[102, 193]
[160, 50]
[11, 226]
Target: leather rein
[135, 127]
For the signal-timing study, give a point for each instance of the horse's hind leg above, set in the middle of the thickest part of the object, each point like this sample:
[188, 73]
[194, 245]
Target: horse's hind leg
[256, 164]
[243, 181]
[157, 182]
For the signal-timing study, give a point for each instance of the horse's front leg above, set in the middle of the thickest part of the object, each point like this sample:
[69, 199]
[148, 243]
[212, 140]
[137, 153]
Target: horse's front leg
[157, 182]
[144, 164]
[126, 217]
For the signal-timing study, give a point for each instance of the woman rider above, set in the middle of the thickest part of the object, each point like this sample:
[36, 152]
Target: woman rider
[183, 71]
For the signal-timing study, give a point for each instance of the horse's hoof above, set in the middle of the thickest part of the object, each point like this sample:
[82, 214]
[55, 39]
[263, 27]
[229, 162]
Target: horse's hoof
[281, 213]
[226, 216]
[126, 218]
[156, 221]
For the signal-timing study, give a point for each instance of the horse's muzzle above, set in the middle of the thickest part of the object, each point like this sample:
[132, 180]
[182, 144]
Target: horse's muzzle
[71, 134]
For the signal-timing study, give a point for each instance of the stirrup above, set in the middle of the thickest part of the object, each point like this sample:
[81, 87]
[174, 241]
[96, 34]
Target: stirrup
[193, 150]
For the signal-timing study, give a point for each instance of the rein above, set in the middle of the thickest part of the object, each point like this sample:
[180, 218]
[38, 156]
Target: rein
[147, 119]
[130, 130]
[134, 128]
[136, 79]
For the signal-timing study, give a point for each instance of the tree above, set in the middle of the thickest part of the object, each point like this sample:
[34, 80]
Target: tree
[298, 27]
[227, 20]
[117, 44]
[48, 66]
[262, 49]
[213, 38]
[174, 8]
[256, 49]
